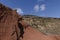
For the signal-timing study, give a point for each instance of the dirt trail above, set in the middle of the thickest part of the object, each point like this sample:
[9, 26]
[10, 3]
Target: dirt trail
[33, 34]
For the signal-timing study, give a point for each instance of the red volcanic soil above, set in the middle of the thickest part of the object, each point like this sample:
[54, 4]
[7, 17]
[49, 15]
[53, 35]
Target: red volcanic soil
[33, 34]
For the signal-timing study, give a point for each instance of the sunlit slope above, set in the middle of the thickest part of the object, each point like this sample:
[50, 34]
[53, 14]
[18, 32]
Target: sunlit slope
[46, 25]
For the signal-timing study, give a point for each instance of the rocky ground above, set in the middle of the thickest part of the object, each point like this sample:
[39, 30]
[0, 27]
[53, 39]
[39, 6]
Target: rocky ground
[43, 24]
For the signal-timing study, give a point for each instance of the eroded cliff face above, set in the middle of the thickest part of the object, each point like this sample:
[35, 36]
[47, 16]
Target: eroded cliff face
[8, 24]
[13, 27]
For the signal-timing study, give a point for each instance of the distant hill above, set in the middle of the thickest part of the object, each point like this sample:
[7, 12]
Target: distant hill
[46, 25]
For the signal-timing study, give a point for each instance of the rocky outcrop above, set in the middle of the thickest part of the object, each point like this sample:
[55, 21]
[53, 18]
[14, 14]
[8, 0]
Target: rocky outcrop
[13, 27]
[9, 29]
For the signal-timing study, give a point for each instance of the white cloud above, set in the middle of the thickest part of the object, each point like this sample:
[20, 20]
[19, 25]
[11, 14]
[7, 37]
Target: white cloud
[42, 7]
[19, 10]
[36, 8]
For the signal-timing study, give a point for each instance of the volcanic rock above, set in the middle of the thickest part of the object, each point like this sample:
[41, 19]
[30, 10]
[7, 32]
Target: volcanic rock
[8, 24]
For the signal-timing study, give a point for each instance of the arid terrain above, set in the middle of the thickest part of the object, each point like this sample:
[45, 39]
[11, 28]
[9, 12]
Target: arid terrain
[17, 27]
[47, 25]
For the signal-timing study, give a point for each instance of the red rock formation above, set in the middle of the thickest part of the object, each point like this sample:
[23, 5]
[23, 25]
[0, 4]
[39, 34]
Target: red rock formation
[12, 27]
[8, 24]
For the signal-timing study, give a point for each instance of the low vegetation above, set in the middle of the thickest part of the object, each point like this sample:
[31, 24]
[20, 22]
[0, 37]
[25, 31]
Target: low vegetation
[43, 24]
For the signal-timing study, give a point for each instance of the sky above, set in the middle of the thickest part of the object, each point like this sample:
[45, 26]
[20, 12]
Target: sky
[44, 8]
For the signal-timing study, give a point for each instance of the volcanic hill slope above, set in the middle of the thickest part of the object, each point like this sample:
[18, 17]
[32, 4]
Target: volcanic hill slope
[46, 25]
[13, 27]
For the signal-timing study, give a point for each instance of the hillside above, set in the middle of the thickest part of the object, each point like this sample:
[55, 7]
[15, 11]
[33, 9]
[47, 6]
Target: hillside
[46, 25]
[13, 27]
